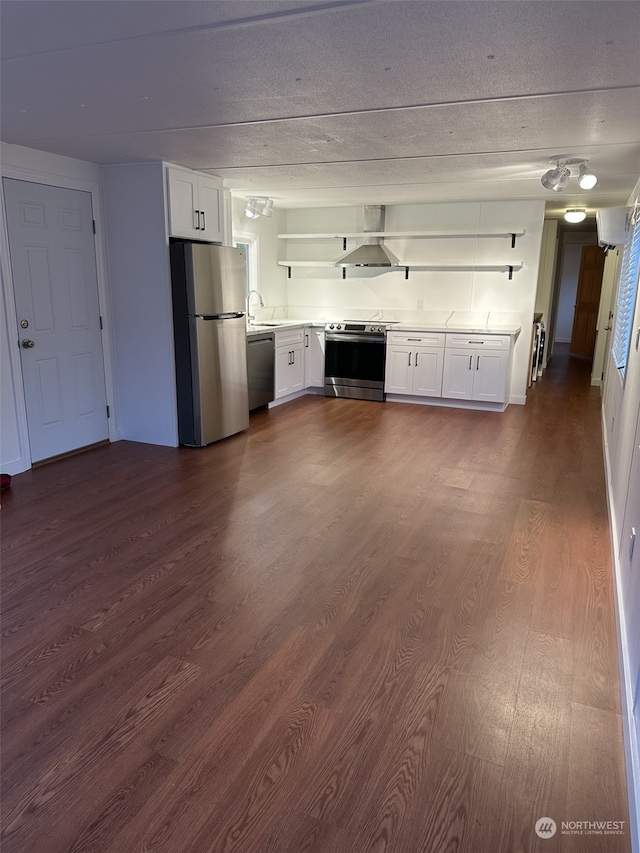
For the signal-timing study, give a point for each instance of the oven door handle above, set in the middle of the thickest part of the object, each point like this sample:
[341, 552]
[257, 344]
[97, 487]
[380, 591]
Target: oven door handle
[352, 339]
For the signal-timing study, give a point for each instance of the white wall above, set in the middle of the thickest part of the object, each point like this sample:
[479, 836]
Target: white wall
[272, 279]
[39, 167]
[621, 411]
[139, 273]
[568, 292]
[321, 293]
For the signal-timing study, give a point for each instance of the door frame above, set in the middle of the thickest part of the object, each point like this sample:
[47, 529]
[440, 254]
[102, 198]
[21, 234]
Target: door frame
[38, 167]
[582, 236]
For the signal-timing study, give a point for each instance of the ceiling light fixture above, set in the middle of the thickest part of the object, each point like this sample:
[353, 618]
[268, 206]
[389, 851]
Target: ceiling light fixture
[557, 178]
[586, 179]
[251, 211]
[576, 214]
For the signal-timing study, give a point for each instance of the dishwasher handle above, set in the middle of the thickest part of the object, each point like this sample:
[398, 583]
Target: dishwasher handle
[267, 339]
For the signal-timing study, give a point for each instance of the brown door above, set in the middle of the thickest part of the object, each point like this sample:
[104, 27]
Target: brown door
[583, 334]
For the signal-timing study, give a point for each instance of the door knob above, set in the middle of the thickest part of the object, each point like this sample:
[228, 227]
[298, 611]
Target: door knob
[27, 343]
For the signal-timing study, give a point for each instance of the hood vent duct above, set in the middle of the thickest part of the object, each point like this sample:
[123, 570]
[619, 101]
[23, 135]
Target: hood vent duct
[372, 252]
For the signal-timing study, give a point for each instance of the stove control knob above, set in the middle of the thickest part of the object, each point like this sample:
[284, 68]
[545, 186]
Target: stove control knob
[331, 326]
[339, 326]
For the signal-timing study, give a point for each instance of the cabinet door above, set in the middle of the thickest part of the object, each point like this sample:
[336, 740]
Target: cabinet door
[297, 369]
[210, 208]
[490, 375]
[457, 378]
[399, 370]
[314, 358]
[289, 370]
[427, 371]
[282, 372]
[184, 220]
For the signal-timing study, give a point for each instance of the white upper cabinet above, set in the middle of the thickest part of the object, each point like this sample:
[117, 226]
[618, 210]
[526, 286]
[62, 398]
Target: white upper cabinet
[195, 205]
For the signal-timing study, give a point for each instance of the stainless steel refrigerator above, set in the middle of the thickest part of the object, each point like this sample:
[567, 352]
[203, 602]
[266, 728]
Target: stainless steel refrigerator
[208, 285]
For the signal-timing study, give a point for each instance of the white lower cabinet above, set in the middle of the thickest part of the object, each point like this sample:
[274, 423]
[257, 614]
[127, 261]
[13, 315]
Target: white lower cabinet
[314, 357]
[414, 364]
[476, 367]
[289, 362]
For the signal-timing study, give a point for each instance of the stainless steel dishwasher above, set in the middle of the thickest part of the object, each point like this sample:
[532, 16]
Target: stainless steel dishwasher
[260, 366]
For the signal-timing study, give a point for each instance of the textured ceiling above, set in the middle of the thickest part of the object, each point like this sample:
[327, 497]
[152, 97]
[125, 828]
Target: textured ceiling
[324, 103]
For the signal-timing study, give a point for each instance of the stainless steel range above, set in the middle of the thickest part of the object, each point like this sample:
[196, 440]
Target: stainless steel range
[355, 360]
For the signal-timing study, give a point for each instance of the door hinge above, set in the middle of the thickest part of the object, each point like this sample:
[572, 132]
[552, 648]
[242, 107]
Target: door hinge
[94, 225]
[101, 326]
[108, 412]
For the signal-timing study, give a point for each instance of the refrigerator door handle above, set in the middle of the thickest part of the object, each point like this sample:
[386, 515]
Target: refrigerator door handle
[230, 315]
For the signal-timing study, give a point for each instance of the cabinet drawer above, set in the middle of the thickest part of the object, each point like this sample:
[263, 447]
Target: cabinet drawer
[288, 337]
[424, 339]
[462, 341]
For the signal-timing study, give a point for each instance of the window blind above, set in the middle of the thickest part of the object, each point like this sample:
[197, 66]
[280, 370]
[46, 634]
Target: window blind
[626, 300]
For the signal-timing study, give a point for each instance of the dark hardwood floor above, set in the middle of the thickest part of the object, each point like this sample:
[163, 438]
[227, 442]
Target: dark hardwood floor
[354, 628]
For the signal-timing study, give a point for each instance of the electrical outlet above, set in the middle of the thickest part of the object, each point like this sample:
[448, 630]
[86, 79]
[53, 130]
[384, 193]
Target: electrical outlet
[420, 304]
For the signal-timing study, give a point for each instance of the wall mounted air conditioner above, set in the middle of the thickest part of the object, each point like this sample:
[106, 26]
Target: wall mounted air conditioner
[614, 226]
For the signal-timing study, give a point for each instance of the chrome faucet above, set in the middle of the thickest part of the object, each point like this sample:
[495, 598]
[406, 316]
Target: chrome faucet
[251, 317]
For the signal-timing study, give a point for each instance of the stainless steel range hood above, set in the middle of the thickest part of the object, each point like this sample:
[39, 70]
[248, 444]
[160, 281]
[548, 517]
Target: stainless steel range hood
[372, 252]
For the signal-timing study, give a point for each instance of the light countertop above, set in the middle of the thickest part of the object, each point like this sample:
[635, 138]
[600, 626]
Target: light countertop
[456, 321]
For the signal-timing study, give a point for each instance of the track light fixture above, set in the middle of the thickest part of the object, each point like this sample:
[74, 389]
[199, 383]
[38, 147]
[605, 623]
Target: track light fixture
[557, 178]
[251, 211]
[576, 214]
[586, 179]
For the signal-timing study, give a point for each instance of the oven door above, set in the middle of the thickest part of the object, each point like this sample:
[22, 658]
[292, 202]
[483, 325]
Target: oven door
[354, 361]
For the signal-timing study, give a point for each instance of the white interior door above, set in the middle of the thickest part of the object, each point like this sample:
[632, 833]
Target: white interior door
[53, 263]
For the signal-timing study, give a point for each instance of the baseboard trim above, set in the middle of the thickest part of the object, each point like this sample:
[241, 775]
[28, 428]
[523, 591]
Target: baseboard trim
[70, 453]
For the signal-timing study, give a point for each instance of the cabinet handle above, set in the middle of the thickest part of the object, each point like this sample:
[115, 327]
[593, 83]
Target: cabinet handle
[632, 544]
[416, 359]
[409, 359]
[478, 363]
[203, 227]
[470, 361]
[306, 339]
[196, 216]
[293, 356]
